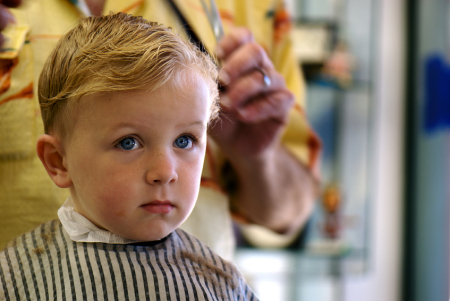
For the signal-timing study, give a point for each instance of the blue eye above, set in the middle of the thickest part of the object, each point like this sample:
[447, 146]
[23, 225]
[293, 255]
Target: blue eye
[128, 143]
[183, 142]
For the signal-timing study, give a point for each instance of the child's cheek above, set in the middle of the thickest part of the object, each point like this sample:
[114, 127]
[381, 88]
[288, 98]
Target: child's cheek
[110, 212]
[118, 186]
[114, 199]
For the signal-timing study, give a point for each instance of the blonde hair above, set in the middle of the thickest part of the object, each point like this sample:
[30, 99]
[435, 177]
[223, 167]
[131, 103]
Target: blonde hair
[117, 52]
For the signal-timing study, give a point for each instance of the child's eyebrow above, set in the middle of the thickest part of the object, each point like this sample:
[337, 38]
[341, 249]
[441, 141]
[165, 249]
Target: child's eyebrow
[122, 125]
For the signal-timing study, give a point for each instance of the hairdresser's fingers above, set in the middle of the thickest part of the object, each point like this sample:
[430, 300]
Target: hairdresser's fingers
[250, 86]
[233, 40]
[247, 58]
[5, 17]
[271, 106]
[256, 134]
[254, 90]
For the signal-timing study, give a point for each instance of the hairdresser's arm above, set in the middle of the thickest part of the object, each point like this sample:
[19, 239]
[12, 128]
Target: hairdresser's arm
[274, 189]
[5, 16]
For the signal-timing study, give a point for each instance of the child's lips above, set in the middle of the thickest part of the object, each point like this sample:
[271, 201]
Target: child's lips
[158, 207]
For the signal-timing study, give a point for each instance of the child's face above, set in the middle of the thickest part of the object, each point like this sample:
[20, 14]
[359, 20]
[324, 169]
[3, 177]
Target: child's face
[135, 158]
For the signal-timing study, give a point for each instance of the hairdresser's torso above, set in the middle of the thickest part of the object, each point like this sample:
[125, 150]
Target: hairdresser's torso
[210, 220]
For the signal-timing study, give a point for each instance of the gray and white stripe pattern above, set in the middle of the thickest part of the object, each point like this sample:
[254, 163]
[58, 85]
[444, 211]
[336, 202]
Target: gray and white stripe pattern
[45, 264]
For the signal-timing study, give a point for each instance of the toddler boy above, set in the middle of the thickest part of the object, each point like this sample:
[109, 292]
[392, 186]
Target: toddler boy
[125, 104]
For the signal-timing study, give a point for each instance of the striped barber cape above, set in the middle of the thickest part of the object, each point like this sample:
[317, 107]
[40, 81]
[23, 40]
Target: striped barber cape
[45, 264]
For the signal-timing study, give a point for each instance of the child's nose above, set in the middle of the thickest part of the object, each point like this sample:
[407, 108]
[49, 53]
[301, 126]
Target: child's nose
[162, 169]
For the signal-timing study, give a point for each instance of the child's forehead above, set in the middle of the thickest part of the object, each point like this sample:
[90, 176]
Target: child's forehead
[180, 87]
[184, 79]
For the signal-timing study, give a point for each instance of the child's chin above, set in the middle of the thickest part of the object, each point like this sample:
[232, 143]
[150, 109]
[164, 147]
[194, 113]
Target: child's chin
[154, 236]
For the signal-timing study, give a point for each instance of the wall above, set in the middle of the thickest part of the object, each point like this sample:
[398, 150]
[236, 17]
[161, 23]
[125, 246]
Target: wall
[428, 223]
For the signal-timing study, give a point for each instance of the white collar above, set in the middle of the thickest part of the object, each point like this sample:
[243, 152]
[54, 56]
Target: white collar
[81, 229]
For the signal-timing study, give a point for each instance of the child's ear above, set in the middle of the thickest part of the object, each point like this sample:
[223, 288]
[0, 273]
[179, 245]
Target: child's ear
[51, 152]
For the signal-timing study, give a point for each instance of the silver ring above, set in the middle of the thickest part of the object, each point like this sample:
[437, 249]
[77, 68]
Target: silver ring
[266, 79]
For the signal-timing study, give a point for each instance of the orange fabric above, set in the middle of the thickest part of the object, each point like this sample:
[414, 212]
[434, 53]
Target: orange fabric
[6, 67]
[226, 15]
[282, 24]
[26, 92]
[132, 6]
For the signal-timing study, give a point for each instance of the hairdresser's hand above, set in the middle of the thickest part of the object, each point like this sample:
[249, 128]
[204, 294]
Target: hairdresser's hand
[5, 16]
[253, 117]
[253, 113]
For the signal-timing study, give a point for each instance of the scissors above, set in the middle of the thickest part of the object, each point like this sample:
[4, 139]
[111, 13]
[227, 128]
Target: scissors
[214, 18]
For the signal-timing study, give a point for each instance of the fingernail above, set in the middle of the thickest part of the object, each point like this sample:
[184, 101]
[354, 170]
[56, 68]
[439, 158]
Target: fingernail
[225, 101]
[219, 52]
[224, 78]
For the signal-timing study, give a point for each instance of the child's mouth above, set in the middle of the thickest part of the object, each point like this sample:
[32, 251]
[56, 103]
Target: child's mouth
[158, 207]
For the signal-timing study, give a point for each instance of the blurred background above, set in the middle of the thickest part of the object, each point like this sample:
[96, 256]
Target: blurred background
[378, 94]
